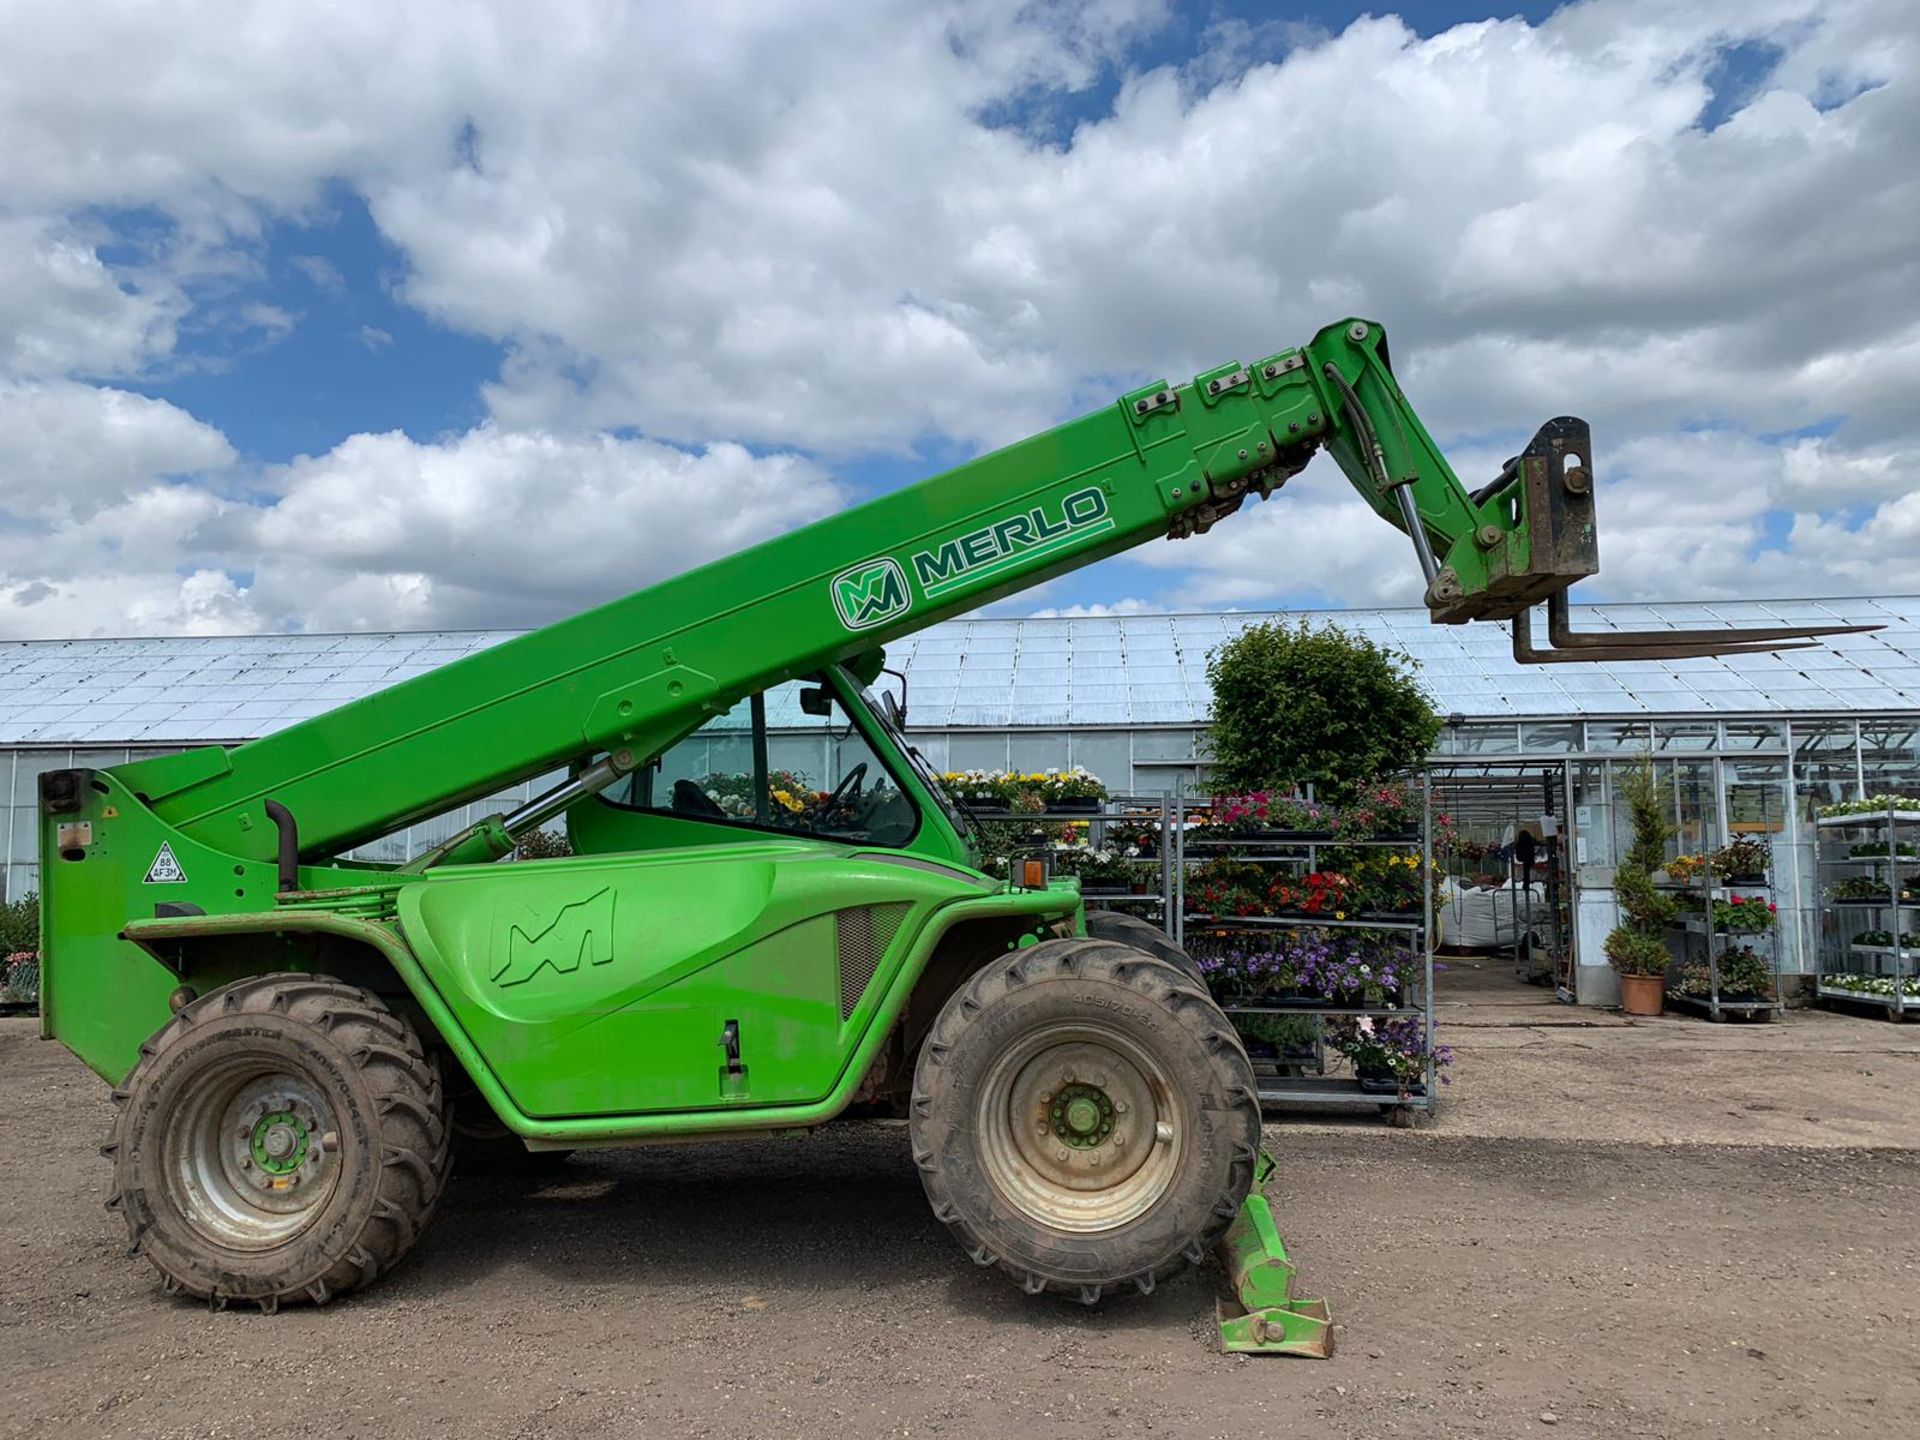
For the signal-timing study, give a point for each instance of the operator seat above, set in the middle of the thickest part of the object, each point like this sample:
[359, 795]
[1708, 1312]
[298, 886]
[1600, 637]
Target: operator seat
[691, 799]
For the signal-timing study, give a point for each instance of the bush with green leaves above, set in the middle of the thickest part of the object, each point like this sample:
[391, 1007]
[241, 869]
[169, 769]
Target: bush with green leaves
[1638, 944]
[1299, 702]
[20, 926]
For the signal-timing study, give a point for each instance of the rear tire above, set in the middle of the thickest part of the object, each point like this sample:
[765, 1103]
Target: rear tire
[282, 1138]
[1084, 1118]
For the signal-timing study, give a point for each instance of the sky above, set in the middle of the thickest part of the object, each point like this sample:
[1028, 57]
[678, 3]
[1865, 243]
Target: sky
[465, 315]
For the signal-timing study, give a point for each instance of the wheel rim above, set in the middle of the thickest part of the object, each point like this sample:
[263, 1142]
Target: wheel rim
[1078, 1128]
[253, 1155]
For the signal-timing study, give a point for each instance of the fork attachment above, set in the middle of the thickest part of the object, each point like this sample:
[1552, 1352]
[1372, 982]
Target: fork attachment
[1264, 1318]
[1549, 487]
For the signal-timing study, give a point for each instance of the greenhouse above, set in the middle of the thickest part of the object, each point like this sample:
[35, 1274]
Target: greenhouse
[1745, 746]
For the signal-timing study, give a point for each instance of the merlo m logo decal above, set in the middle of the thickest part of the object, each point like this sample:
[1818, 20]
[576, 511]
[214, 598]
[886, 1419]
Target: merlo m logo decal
[871, 593]
[583, 930]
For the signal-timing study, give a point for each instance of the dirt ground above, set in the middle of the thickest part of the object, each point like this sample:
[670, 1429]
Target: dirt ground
[1660, 1229]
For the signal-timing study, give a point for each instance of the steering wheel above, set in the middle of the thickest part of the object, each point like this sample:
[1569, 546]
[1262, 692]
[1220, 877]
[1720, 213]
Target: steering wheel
[847, 790]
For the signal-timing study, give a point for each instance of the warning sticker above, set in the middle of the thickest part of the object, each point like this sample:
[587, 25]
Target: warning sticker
[165, 870]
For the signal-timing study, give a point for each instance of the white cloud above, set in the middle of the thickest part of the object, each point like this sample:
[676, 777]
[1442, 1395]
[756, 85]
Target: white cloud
[383, 532]
[1129, 606]
[795, 227]
[505, 528]
[67, 448]
[64, 312]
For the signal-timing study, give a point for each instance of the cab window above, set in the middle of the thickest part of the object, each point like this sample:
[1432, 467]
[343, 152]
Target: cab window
[790, 759]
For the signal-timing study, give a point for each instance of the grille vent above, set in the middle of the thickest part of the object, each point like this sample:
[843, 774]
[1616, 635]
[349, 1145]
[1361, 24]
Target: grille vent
[865, 933]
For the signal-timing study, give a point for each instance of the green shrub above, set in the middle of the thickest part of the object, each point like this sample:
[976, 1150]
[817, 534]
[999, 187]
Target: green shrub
[1298, 702]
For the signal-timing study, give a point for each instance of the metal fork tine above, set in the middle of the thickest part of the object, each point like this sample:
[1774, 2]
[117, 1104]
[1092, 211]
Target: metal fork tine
[1562, 635]
[1683, 645]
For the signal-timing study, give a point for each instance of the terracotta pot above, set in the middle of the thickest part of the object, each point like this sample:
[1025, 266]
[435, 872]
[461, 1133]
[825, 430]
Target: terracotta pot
[1642, 994]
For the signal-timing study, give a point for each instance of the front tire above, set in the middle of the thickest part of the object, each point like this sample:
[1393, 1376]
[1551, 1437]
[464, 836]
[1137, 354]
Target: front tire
[1151, 939]
[282, 1138]
[1084, 1118]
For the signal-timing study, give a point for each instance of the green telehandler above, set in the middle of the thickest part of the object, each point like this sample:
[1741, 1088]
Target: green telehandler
[299, 1040]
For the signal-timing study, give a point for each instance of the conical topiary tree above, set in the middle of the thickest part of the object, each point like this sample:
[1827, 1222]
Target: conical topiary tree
[1638, 944]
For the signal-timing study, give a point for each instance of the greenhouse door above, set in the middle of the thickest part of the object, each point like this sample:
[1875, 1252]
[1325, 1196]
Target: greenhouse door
[1509, 866]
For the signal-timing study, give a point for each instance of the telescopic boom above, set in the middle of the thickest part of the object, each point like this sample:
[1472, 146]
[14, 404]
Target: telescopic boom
[629, 678]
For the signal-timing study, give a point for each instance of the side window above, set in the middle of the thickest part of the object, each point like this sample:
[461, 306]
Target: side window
[770, 763]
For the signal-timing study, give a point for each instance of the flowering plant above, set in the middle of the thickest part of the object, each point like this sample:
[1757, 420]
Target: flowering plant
[1313, 964]
[732, 791]
[1880, 985]
[1683, 869]
[1230, 887]
[1021, 789]
[1269, 810]
[1382, 808]
[1319, 892]
[1744, 912]
[1745, 856]
[1743, 971]
[1384, 881]
[1394, 1047]
[1135, 836]
[1872, 805]
[1106, 866]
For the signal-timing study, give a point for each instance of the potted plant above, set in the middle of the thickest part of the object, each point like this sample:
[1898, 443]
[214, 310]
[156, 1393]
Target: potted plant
[1637, 946]
[1290, 1042]
[1744, 912]
[1389, 1056]
[1074, 791]
[1874, 807]
[1741, 862]
[1685, 869]
[982, 791]
[1271, 815]
[1383, 810]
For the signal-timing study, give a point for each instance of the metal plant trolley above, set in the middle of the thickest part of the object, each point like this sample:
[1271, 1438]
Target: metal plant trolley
[1714, 1004]
[1414, 929]
[1869, 847]
[1101, 817]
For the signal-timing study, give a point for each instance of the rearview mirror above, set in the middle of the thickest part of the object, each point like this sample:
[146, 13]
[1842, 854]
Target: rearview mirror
[890, 707]
[814, 700]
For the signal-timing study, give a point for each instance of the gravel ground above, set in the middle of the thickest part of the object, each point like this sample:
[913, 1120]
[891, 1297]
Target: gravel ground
[1609, 1231]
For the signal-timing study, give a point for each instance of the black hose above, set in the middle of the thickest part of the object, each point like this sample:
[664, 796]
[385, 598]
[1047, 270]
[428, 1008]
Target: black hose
[288, 859]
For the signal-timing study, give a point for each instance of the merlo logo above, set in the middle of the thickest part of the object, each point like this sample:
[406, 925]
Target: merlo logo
[583, 930]
[870, 593]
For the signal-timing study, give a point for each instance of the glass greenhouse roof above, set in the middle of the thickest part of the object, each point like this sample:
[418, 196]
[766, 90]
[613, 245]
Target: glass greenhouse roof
[1134, 670]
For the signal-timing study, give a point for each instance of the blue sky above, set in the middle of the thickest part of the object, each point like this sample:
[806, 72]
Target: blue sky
[451, 281]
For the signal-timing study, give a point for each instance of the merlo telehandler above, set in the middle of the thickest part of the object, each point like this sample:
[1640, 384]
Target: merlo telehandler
[297, 1038]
